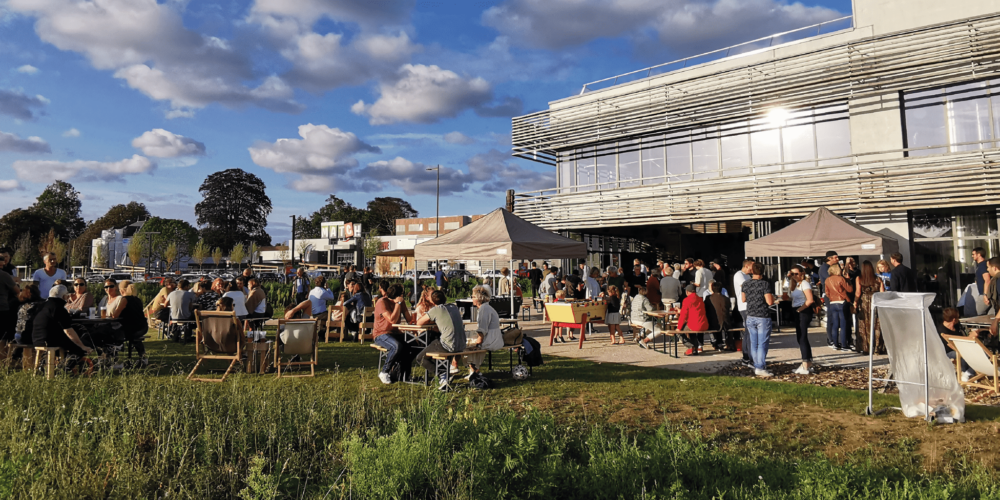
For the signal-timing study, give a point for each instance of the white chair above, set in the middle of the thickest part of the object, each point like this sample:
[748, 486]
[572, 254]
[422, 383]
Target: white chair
[979, 358]
[297, 338]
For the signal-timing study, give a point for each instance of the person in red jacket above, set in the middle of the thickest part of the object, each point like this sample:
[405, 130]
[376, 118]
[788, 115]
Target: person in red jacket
[693, 319]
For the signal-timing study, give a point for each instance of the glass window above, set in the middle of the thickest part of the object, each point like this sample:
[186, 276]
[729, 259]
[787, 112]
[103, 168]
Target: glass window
[765, 149]
[416, 227]
[969, 116]
[736, 152]
[799, 144]
[585, 178]
[451, 225]
[629, 169]
[705, 159]
[833, 140]
[606, 175]
[679, 162]
[566, 177]
[400, 229]
[652, 160]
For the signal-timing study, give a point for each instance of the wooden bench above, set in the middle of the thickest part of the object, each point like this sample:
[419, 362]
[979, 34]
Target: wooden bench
[442, 360]
[383, 354]
[675, 336]
[526, 312]
[27, 355]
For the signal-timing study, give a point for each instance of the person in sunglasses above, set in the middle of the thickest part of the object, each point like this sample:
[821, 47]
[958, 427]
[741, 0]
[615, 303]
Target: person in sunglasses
[128, 309]
[79, 299]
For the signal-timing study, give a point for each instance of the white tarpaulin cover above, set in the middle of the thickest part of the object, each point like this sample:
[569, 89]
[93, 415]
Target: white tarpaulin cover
[903, 316]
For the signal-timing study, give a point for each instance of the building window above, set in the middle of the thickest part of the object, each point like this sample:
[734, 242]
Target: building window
[432, 226]
[451, 225]
[400, 229]
[415, 227]
[964, 117]
[771, 142]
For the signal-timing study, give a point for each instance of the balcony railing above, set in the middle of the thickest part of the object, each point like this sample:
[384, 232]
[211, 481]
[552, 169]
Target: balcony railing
[832, 25]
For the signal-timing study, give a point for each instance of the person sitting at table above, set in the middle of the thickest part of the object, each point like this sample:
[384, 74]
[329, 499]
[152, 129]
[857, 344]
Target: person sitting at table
[52, 327]
[129, 311]
[390, 307]
[425, 303]
[641, 306]
[488, 334]
[224, 304]
[317, 299]
[717, 310]
[448, 320]
[950, 325]
[205, 297]
[256, 303]
[181, 301]
[355, 306]
[80, 300]
[123, 287]
[613, 317]
[692, 318]
[234, 293]
[560, 296]
[160, 307]
[26, 310]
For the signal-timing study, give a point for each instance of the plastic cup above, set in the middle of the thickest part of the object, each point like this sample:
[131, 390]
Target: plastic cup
[93, 313]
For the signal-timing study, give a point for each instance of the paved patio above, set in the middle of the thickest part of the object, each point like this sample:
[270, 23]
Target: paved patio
[783, 348]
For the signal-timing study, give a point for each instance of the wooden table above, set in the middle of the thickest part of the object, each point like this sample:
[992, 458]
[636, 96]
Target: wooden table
[415, 333]
[978, 321]
[665, 317]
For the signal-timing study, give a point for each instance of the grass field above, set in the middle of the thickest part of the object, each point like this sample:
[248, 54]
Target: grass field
[575, 429]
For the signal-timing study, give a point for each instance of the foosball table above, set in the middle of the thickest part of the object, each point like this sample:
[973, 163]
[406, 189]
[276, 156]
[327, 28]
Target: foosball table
[575, 315]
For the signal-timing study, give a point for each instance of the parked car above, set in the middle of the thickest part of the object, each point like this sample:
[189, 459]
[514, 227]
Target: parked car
[95, 278]
[119, 276]
[269, 277]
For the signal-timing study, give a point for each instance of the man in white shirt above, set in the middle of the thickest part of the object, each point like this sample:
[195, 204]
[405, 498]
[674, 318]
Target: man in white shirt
[47, 276]
[702, 277]
[593, 288]
[318, 297]
[550, 285]
[739, 278]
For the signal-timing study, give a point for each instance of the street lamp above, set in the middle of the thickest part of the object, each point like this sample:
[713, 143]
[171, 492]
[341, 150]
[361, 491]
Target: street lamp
[437, 216]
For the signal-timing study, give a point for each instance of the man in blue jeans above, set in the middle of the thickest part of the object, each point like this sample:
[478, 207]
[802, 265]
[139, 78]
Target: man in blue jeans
[759, 296]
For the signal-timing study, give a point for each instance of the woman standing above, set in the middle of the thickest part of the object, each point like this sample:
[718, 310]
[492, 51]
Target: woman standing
[884, 274]
[802, 302]
[613, 317]
[759, 297]
[867, 285]
[837, 290]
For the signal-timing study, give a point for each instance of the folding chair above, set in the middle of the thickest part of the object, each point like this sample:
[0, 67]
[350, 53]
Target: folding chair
[335, 324]
[979, 358]
[369, 324]
[218, 336]
[297, 337]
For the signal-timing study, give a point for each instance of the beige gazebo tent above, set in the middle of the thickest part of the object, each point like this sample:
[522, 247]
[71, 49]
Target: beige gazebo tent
[819, 232]
[503, 236]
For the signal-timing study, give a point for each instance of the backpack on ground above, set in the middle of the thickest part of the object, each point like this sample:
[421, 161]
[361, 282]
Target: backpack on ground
[480, 381]
[532, 352]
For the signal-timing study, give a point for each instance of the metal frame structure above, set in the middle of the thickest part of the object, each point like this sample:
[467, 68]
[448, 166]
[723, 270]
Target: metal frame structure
[870, 410]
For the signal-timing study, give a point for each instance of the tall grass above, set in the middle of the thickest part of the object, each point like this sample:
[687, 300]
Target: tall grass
[338, 436]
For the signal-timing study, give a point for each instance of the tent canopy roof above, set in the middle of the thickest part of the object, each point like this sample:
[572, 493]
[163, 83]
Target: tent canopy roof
[500, 235]
[819, 232]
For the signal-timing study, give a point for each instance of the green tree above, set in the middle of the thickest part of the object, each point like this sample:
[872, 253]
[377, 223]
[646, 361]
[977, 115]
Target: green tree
[18, 223]
[199, 253]
[171, 254]
[383, 212]
[217, 257]
[237, 254]
[116, 217]
[254, 251]
[24, 253]
[59, 205]
[175, 231]
[335, 209]
[136, 249]
[372, 246]
[234, 208]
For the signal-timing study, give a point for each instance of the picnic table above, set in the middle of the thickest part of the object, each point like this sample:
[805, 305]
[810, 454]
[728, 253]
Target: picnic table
[419, 334]
[667, 318]
[979, 321]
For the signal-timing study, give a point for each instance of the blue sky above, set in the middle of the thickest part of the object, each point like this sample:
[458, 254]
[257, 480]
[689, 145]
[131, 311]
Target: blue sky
[141, 100]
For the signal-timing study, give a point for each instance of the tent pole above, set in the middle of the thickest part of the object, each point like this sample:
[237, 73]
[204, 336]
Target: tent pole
[927, 382]
[512, 315]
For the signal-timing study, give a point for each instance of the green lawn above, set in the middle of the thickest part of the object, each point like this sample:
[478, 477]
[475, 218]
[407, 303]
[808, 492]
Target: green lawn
[575, 429]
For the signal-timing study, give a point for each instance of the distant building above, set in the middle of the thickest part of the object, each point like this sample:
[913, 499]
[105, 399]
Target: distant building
[113, 245]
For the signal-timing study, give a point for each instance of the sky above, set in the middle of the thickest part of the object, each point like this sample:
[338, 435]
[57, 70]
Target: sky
[141, 100]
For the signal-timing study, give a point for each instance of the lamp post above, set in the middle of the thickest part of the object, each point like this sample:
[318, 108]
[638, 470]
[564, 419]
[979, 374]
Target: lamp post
[437, 210]
[291, 246]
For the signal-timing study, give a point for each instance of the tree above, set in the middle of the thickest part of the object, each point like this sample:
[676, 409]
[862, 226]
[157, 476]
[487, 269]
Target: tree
[116, 217]
[237, 254]
[372, 245]
[180, 233]
[59, 205]
[18, 223]
[136, 249]
[51, 243]
[234, 208]
[335, 209]
[217, 257]
[254, 251]
[79, 250]
[24, 254]
[383, 212]
[199, 253]
[170, 254]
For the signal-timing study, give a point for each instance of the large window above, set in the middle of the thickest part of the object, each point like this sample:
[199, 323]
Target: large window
[771, 142]
[964, 117]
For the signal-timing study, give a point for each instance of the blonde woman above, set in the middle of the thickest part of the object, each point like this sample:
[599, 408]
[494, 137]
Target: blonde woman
[488, 335]
[838, 290]
[884, 272]
[613, 317]
[424, 304]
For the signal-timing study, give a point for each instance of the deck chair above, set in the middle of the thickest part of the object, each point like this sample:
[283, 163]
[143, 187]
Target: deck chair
[297, 337]
[335, 324]
[979, 358]
[367, 324]
[218, 336]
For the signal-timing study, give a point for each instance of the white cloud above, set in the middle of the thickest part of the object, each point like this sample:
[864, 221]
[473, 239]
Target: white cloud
[425, 94]
[458, 138]
[414, 178]
[14, 143]
[71, 133]
[46, 171]
[684, 26]
[19, 105]
[9, 185]
[498, 173]
[321, 154]
[146, 44]
[27, 69]
[165, 144]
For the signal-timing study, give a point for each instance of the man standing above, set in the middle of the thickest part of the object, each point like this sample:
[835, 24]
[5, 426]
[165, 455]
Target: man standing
[47, 276]
[742, 276]
[901, 278]
[702, 277]
[535, 277]
[982, 279]
[719, 274]
[653, 288]
[636, 278]
[551, 285]
[687, 271]
[301, 284]
[247, 273]
[440, 279]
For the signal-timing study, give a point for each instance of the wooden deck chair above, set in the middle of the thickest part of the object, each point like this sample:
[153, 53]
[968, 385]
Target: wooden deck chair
[297, 337]
[335, 324]
[218, 336]
[979, 358]
[369, 324]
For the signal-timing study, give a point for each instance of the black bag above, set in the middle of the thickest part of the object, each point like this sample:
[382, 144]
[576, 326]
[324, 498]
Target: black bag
[534, 358]
[480, 381]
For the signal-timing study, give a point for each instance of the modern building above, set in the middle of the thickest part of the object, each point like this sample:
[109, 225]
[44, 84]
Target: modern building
[397, 250]
[112, 247]
[887, 117]
[339, 243]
